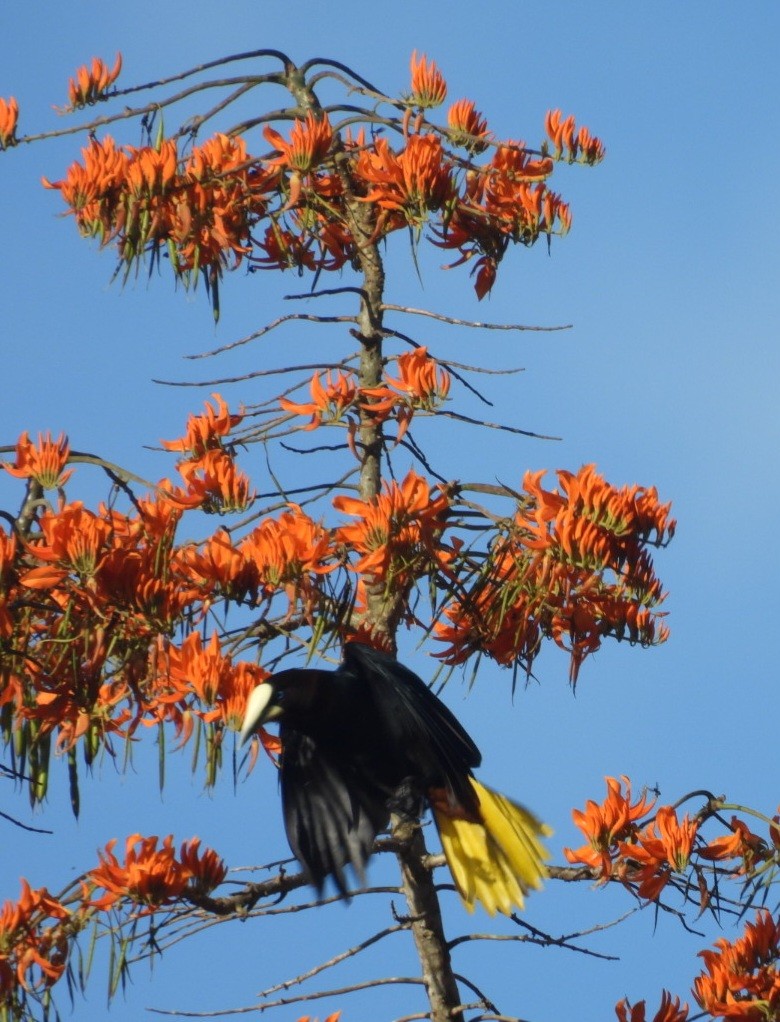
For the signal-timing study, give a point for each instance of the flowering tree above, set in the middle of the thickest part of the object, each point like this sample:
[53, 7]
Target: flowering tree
[138, 615]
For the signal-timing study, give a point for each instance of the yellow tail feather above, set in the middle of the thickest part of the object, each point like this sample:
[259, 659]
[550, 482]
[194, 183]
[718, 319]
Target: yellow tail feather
[498, 861]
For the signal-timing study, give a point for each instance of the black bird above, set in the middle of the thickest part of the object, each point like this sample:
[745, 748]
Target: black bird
[370, 738]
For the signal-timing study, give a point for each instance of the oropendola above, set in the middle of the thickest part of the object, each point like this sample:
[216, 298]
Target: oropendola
[370, 737]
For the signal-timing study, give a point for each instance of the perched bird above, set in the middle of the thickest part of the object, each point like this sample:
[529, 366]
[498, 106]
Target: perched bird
[370, 738]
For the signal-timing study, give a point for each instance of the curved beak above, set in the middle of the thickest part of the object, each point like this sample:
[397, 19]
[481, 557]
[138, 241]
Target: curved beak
[259, 710]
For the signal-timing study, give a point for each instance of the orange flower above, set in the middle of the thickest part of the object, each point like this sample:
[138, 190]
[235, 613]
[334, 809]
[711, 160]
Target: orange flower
[205, 432]
[591, 148]
[150, 875]
[742, 843]
[421, 378]
[220, 198]
[43, 462]
[206, 870]
[662, 848]
[216, 482]
[571, 566]
[329, 403]
[73, 537]
[309, 144]
[151, 171]
[285, 551]
[408, 185]
[285, 250]
[429, 88]
[94, 191]
[90, 83]
[560, 132]
[422, 385]
[399, 531]
[606, 824]
[9, 118]
[198, 669]
[670, 1010]
[742, 982]
[467, 127]
[27, 945]
[138, 582]
[583, 146]
[217, 567]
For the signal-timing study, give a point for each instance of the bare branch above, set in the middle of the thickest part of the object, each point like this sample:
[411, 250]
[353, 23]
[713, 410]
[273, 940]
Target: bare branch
[305, 316]
[494, 425]
[24, 826]
[336, 960]
[474, 324]
[297, 999]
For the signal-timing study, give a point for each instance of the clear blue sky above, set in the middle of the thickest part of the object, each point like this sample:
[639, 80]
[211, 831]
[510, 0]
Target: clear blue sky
[669, 377]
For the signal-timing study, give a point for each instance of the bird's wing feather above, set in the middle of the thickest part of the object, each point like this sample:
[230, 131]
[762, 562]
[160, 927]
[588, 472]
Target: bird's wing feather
[413, 714]
[331, 813]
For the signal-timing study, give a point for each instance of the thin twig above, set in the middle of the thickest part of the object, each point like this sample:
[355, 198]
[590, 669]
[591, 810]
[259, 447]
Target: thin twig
[305, 316]
[494, 425]
[336, 960]
[24, 826]
[346, 290]
[474, 324]
[297, 999]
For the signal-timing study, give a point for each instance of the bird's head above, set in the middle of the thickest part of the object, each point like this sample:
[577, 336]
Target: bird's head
[286, 696]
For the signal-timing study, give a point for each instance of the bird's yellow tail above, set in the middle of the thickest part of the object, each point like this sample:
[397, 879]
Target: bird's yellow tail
[498, 861]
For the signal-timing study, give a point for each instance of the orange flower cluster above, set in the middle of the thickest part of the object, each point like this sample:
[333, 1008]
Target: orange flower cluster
[606, 825]
[581, 146]
[91, 83]
[741, 979]
[670, 1010]
[205, 432]
[33, 950]
[429, 88]
[646, 853]
[467, 127]
[309, 144]
[9, 118]
[288, 554]
[89, 593]
[205, 209]
[422, 382]
[141, 198]
[216, 681]
[86, 598]
[505, 201]
[409, 185]
[43, 462]
[398, 534]
[151, 876]
[422, 385]
[572, 566]
[282, 555]
[660, 849]
[329, 403]
[38, 932]
[213, 481]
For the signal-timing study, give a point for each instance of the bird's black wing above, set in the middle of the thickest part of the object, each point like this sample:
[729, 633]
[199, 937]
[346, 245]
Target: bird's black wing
[417, 720]
[332, 813]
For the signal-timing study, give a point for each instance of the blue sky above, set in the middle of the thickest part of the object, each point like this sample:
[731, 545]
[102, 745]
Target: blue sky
[668, 377]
